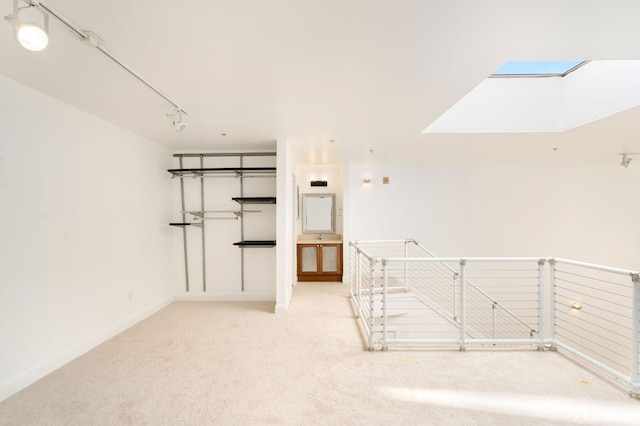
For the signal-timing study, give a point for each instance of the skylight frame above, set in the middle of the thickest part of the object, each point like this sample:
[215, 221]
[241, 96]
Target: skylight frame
[533, 74]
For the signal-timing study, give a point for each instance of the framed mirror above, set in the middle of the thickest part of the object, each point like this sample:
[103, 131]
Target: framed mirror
[318, 213]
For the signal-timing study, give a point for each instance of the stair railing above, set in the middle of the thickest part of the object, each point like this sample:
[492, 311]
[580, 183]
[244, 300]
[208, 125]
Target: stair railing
[589, 311]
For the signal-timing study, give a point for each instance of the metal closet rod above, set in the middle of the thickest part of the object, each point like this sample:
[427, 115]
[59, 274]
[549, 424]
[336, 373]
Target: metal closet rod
[94, 40]
[229, 154]
[199, 213]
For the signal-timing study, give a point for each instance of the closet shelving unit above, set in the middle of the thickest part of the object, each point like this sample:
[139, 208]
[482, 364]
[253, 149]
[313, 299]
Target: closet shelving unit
[200, 216]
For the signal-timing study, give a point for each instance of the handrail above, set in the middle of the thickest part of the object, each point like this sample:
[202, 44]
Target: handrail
[356, 242]
[596, 266]
[359, 250]
[459, 259]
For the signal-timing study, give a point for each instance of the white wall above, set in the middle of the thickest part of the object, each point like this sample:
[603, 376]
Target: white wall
[584, 212]
[285, 276]
[85, 247]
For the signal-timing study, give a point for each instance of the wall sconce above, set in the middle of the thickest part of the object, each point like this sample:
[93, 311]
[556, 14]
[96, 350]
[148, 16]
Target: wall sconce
[318, 183]
[576, 306]
[366, 179]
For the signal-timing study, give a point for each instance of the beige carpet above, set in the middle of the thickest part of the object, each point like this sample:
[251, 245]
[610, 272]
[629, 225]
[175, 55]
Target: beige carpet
[238, 363]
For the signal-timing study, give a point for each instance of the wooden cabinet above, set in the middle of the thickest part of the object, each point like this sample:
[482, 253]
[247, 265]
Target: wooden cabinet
[320, 262]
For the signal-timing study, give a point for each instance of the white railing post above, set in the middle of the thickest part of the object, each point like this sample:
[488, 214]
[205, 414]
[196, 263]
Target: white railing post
[541, 296]
[352, 270]
[552, 303]
[463, 313]
[455, 302]
[406, 265]
[635, 329]
[384, 305]
[359, 282]
[372, 321]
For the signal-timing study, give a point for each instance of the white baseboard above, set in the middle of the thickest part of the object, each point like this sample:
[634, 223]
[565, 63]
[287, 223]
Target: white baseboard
[282, 308]
[31, 375]
[213, 297]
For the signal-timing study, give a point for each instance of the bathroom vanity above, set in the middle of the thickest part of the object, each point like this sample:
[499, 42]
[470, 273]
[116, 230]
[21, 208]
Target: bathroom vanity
[319, 248]
[320, 259]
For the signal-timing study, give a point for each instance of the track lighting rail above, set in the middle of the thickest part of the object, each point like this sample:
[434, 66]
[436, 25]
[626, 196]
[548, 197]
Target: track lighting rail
[98, 43]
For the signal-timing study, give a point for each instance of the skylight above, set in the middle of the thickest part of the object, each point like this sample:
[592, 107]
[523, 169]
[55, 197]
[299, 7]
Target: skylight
[537, 68]
[502, 105]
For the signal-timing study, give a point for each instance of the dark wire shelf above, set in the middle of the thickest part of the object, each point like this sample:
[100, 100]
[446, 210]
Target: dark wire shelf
[224, 171]
[255, 200]
[256, 244]
[185, 224]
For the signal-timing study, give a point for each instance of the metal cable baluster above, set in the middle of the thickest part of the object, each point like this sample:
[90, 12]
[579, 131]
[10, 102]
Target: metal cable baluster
[184, 230]
[204, 258]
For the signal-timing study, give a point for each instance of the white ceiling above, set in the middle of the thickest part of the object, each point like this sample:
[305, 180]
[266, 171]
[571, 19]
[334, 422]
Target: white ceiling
[597, 89]
[368, 74]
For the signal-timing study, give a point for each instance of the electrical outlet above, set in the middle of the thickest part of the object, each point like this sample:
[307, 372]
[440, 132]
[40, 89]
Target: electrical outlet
[129, 295]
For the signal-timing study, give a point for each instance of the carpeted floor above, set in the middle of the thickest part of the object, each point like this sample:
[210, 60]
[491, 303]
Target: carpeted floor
[238, 363]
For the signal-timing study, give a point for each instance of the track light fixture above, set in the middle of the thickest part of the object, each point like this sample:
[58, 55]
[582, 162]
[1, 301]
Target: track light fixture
[30, 35]
[625, 160]
[176, 120]
[34, 37]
